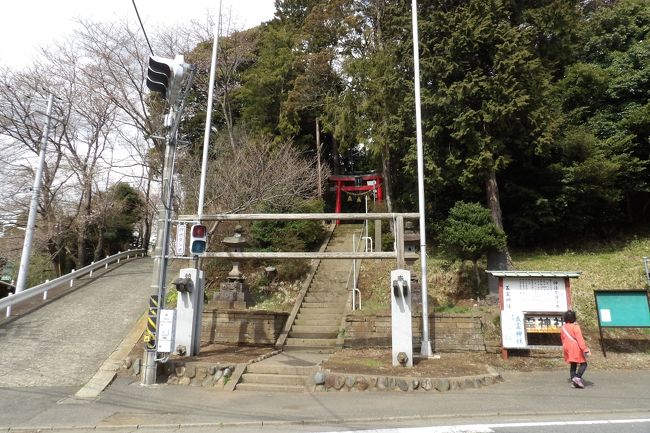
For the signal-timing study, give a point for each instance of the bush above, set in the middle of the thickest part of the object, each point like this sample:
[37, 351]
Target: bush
[298, 235]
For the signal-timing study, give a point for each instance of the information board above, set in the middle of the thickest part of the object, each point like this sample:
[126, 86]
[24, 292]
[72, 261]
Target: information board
[535, 294]
[513, 331]
[623, 308]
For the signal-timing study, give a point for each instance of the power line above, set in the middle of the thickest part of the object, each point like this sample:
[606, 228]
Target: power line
[142, 26]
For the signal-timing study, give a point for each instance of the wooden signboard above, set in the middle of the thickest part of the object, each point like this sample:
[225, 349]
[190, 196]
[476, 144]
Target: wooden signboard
[532, 303]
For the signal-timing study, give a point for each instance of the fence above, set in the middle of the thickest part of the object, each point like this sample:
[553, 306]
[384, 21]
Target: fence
[16, 298]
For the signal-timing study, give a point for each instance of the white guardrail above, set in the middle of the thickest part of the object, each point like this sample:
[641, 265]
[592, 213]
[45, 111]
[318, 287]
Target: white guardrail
[13, 299]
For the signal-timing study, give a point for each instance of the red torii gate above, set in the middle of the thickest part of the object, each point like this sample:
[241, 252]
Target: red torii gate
[356, 183]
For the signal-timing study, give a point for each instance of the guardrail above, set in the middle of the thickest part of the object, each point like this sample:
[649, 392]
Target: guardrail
[13, 299]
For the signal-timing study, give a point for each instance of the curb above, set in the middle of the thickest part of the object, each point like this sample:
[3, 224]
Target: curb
[328, 421]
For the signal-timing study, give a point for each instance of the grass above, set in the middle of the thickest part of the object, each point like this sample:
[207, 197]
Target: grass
[603, 266]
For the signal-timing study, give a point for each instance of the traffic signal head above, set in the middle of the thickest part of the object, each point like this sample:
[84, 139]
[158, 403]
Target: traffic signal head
[198, 239]
[165, 76]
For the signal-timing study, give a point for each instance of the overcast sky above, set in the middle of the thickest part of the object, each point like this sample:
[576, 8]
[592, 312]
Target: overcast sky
[26, 24]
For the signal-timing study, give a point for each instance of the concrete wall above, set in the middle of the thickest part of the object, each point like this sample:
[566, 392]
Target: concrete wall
[453, 332]
[241, 326]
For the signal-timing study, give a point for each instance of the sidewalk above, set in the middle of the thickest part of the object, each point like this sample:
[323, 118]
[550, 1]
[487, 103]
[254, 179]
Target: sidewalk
[127, 406]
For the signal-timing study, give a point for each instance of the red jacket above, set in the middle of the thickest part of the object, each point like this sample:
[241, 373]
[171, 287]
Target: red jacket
[573, 344]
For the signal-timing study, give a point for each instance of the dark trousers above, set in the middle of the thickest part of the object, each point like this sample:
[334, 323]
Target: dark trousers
[580, 370]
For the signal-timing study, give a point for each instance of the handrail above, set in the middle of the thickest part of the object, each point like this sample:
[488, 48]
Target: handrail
[9, 301]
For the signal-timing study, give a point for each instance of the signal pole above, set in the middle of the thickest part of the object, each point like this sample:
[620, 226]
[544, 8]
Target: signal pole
[166, 76]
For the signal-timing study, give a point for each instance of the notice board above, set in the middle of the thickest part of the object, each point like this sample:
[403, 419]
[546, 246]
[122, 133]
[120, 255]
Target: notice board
[621, 309]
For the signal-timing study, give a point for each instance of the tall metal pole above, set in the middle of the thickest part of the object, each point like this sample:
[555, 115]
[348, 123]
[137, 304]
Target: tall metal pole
[23, 270]
[208, 115]
[160, 254]
[425, 349]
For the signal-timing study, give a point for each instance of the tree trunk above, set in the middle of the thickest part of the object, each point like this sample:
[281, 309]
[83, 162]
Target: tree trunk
[496, 260]
[386, 176]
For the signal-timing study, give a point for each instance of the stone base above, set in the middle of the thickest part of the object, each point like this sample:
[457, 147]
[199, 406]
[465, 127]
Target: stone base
[233, 295]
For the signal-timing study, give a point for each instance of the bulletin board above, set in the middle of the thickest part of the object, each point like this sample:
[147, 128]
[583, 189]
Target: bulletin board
[621, 309]
[532, 304]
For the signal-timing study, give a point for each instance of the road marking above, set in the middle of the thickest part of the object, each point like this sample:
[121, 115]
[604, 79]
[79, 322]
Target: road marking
[487, 428]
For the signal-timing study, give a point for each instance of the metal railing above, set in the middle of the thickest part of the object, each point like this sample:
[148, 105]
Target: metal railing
[13, 299]
[397, 218]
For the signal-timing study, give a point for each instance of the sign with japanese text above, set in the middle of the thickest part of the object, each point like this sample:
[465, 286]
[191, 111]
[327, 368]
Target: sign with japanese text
[534, 294]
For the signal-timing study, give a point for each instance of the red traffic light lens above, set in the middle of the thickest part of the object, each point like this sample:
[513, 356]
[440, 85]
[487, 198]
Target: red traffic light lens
[198, 231]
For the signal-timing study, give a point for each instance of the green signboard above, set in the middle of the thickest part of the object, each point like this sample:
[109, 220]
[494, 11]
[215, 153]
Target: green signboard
[623, 308]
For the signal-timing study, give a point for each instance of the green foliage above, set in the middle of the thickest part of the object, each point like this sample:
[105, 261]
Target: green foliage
[40, 269]
[469, 233]
[300, 235]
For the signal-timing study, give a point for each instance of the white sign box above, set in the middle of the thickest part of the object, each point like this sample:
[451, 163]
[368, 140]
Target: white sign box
[513, 330]
[166, 331]
[534, 294]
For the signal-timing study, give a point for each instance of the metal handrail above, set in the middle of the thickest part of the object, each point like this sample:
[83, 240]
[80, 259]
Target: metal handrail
[9, 301]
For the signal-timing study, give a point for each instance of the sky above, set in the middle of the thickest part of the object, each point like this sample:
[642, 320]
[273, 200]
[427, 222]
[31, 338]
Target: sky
[28, 24]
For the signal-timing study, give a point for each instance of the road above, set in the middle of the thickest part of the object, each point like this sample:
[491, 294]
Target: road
[66, 340]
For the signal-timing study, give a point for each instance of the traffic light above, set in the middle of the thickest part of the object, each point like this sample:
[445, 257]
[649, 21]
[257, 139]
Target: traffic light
[198, 239]
[165, 76]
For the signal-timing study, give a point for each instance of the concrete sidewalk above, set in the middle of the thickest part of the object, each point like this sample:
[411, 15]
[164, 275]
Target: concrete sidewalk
[127, 406]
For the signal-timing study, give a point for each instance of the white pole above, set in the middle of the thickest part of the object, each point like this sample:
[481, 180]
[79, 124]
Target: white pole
[425, 350]
[208, 115]
[23, 269]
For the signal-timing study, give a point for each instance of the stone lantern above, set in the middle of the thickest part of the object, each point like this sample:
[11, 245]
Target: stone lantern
[233, 293]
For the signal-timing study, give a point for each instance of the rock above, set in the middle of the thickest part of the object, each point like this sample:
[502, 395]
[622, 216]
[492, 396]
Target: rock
[330, 381]
[180, 370]
[372, 381]
[415, 384]
[190, 371]
[127, 363]
[361, 383]
[218, 375]
[137, 366]
[402, 385]
[427, 385]
[339, 382]
[349, 381]
[319, 378]
[207, 381]
[382, 383]
[201, 373]
[212, 370]
[227, 372]
[172, 380]
[184, 380]
[441, 385]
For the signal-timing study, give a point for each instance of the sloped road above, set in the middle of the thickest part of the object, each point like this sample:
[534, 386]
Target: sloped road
[64, 342]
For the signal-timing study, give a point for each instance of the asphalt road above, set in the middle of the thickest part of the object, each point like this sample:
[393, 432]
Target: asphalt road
[64, 341]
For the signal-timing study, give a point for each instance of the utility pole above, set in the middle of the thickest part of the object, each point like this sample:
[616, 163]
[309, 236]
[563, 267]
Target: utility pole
[23, 270]
[320, 181]
[168, 77]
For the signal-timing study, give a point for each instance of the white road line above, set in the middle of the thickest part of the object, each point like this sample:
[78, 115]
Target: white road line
[487, 428]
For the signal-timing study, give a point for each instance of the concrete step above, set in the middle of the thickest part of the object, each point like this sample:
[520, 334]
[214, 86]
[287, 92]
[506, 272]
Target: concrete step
[311, 342]
[294, 370]
[307, 321]
[257, 387]
[312, 316]
[323, 306]
[324, 297]
[273, 379]
[316, 328]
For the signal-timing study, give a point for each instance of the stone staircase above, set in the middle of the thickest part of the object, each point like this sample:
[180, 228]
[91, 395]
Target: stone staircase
[317, 323]
[314, 332]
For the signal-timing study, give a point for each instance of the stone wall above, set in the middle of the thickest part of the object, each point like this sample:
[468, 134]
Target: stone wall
[241, 326]
[453, 332]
